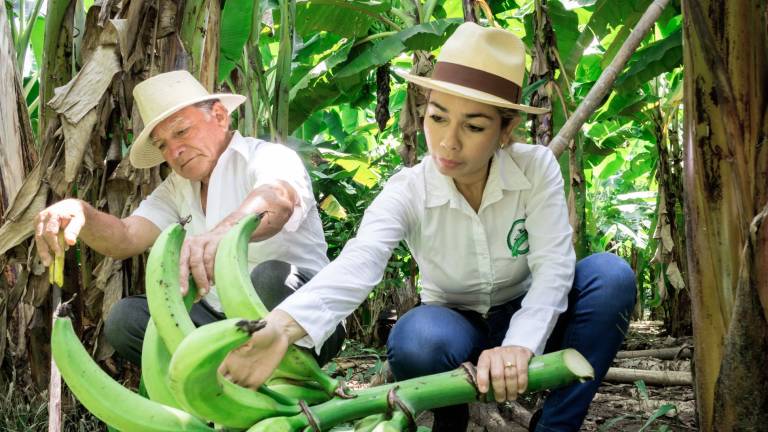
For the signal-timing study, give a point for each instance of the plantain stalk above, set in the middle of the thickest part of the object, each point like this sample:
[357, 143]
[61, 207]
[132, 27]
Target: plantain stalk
[547, 371]
[56, 270]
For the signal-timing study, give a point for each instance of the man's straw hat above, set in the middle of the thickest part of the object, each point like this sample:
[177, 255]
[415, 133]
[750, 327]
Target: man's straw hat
[161, 96]
[481, 64]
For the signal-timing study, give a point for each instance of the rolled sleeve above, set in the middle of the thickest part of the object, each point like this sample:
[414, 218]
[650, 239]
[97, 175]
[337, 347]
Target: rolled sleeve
[159, 207]
[551, 260]
[344, 284]
[277, 163]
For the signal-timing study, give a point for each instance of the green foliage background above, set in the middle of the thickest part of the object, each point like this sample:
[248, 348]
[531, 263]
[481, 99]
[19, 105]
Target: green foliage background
[328, 71]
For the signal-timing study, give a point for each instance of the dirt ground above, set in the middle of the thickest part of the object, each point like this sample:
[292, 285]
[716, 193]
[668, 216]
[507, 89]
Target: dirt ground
[616, 407]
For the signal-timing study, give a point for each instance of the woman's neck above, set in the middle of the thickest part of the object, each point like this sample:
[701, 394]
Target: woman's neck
[472, 189]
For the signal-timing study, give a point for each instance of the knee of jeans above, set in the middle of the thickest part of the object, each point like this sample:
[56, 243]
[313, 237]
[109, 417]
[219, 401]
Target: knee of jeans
[115, 330]
[268, 279]
[617, 277]
[407, 360]
[420, 354]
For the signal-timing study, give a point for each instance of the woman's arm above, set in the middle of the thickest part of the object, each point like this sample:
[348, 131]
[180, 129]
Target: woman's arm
[551, 259]
[309, 316]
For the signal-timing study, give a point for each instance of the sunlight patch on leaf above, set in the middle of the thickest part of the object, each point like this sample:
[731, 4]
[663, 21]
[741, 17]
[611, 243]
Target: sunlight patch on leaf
[333, 208]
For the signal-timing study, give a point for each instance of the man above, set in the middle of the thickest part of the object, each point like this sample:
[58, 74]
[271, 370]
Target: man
[218, 178]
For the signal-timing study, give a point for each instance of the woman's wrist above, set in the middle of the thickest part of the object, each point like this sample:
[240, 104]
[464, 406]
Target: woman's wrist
[288, 329]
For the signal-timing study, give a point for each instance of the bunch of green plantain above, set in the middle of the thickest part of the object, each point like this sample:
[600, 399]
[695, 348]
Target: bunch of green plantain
[187, 393]
[180, 362]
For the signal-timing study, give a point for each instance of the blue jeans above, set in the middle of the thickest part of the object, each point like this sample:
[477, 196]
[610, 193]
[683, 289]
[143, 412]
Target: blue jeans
[431, 339]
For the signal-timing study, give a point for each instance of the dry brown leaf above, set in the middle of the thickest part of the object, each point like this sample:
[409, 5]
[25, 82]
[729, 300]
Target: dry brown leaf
[666, 238]
[675, 276]
[662, 286]
[76, 140]
[38, 290]
[168, 12]
[17, 291]
[109, 280]
[17, 230]
[83, 93]
[93, 32]
[3, 329]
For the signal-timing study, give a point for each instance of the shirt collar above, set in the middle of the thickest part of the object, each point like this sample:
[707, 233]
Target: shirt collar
[504, 174]
[239, 144]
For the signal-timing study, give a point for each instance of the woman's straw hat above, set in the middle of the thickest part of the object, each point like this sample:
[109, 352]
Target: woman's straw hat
[161, 96]
[481, 64]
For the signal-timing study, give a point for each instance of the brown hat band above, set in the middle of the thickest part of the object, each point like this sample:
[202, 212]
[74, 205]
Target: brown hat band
[477, 79]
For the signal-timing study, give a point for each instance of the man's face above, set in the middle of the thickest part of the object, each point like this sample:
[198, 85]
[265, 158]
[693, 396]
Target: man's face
[192, 140]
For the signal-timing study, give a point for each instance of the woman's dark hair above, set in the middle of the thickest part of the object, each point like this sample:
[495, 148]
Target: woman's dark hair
[510, 115]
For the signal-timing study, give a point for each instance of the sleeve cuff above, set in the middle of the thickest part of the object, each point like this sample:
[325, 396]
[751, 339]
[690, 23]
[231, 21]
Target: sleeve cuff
[529, 333]
[310, 315]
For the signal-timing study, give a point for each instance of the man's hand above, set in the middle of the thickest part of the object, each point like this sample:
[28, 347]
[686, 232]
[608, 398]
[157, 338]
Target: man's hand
[253, 363]
[506, 368]
[67, 215]
[198, 255]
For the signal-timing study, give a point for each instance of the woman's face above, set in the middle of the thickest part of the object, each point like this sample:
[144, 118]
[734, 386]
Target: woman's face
[462, 135]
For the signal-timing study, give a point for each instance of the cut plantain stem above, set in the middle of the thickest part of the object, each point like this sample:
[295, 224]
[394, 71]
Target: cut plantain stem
[459, 386]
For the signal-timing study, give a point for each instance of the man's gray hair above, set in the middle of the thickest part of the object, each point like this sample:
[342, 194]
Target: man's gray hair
[206, 105]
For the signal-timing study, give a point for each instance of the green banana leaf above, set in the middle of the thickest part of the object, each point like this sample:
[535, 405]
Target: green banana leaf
[236, 26]
[651, 61]
[348, 18]
[419, 37]
[606, 15]
[36, 39]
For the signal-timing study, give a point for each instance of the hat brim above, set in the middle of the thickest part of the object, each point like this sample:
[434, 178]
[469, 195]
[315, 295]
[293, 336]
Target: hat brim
[468, 93]
[144, 155]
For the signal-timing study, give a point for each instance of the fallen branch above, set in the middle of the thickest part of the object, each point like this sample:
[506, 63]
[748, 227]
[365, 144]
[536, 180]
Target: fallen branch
[517, 413]
[661, 378]
[675, 353]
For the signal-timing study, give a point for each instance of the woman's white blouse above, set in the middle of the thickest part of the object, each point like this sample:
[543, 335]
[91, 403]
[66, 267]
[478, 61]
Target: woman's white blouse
[518, 243]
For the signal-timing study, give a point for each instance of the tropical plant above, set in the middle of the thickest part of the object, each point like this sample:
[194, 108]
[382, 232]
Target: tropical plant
[319, 77]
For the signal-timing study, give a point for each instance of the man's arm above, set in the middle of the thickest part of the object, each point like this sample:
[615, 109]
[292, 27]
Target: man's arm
[274, 201]
[105, 233]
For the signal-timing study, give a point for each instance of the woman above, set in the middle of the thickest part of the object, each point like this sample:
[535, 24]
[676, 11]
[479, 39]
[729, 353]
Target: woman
[487, 222]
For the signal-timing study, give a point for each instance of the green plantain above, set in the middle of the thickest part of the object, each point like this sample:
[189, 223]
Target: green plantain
[166, 306]
[239, 299]
[195, 382]
[104, 397]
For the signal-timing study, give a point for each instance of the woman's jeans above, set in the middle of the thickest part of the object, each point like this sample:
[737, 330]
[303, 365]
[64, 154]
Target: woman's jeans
[432, 339]
[273, 280]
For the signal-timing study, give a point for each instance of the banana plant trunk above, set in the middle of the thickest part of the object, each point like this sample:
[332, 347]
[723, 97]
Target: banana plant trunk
[726, 161]
[17, 152]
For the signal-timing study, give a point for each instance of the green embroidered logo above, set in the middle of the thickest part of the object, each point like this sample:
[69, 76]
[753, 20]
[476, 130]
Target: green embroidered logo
[517, 238]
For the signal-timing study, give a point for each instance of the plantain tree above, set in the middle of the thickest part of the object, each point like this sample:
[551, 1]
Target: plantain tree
[726, 205]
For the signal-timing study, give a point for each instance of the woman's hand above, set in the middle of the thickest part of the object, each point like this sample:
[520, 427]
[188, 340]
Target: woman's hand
[251, 364]
[505, 369]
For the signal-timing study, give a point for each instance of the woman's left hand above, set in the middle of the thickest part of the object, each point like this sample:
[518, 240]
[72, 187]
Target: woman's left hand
[506, 369]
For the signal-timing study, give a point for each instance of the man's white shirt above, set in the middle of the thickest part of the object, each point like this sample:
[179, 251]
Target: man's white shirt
[518, 243]
[246, 164]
